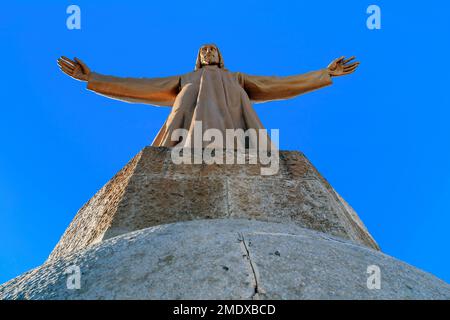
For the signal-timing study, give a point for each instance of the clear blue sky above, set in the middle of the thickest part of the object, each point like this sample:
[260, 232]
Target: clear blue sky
[380, 136]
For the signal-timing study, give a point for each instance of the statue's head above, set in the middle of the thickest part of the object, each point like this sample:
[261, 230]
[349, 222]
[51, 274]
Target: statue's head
[209, 54]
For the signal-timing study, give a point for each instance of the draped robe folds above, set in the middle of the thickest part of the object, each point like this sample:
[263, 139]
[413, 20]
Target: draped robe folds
[215, 96]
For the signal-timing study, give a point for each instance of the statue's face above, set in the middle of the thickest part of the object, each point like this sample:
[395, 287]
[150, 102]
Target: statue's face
[209, 55]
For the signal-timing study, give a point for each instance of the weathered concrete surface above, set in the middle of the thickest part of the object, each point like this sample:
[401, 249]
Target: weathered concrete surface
[226, 259]
[152, 190]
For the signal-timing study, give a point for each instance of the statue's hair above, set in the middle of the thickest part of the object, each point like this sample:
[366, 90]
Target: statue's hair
[198, 63]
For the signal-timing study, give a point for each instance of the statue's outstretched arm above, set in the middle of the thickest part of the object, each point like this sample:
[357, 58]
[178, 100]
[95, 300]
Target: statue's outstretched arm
[154, 91]
[269, 88]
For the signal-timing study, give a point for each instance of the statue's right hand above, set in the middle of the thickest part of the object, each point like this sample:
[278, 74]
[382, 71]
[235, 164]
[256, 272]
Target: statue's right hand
[76, 68]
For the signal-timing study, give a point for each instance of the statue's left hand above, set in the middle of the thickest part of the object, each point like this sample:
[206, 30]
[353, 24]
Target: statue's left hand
[342, 67]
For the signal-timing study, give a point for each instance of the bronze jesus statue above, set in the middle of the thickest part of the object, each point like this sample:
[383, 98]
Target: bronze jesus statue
[220, 99]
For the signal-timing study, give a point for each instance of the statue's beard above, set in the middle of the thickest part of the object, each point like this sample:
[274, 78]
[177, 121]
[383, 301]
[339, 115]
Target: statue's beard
[210, 63]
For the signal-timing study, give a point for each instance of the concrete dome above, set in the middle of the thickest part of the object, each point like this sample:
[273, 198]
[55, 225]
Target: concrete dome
[225, 259]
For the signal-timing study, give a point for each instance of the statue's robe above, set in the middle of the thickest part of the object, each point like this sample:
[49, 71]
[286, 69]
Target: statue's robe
[215, 96]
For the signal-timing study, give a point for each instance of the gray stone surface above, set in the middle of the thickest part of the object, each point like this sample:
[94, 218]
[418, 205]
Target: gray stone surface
[226, 259]
[151, 190]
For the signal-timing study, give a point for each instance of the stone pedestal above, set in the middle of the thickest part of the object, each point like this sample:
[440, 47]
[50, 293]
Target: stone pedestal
[151, 190]
[158, 230]
[226, 259]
